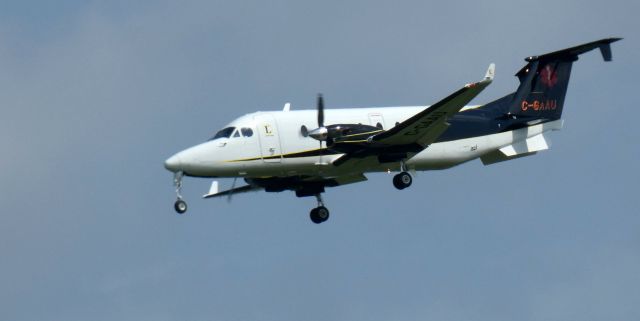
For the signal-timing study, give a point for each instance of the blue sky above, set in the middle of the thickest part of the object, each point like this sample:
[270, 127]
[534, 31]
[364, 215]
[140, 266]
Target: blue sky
[97, 94]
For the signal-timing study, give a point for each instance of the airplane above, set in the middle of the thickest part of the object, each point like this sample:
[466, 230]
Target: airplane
[307, 151]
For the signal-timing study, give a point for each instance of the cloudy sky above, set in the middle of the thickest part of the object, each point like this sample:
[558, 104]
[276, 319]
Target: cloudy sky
[95, 95]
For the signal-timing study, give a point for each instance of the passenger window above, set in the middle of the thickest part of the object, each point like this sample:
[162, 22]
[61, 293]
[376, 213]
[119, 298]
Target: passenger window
[247, 132]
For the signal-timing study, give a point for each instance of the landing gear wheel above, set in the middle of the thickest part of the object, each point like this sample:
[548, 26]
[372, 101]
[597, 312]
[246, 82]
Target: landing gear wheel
[402, 180]
[319, 214]
[180, 206]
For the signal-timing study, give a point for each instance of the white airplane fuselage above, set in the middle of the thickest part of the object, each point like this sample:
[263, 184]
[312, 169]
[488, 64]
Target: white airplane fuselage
[276, 141]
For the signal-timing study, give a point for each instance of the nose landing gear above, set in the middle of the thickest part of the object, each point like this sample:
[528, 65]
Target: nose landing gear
[180, 205]
[319, 214]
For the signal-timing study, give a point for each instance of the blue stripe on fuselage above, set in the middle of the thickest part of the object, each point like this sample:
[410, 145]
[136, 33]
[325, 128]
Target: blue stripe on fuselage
[482, 122]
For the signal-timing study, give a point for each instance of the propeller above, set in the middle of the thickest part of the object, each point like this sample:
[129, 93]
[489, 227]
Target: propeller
[321, 133]
[333, 132]
[320, 111]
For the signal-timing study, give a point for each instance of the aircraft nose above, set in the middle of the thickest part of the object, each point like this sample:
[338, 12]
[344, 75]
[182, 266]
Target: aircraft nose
[173, 163]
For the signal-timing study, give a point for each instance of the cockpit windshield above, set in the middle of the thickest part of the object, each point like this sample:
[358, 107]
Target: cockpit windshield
[224, 133]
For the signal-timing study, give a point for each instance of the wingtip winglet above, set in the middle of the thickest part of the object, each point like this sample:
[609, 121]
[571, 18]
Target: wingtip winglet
[488, 77]
[213, 190]
[491, 71]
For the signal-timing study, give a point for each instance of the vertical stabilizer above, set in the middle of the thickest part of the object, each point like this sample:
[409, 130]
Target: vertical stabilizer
[544, 82]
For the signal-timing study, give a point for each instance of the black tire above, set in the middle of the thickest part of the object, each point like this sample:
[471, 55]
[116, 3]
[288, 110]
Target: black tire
[402, 180]
[180, 206]
[315, 218]
[323, 213]
[396, 182]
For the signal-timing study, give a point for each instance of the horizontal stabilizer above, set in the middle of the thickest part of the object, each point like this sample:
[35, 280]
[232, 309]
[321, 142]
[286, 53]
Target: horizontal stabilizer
[571, 53]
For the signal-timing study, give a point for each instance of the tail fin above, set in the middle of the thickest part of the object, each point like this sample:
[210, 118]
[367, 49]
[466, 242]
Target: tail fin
[544, 81]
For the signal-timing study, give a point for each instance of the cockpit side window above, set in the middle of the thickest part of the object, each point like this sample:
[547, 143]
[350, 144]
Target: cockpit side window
[247, 132]
[236, 133]
[224, 133]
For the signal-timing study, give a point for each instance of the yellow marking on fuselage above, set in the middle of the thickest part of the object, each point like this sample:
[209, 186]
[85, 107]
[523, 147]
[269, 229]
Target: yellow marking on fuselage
[242, 159]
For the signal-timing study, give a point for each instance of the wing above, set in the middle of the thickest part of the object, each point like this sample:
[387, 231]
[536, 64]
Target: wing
[426, 126]
[302, 185]
[414, 134]
[214, 192]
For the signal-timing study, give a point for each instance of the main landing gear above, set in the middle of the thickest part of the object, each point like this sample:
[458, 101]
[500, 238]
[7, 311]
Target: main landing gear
[319, 214]
[404, 179]
[180, 205]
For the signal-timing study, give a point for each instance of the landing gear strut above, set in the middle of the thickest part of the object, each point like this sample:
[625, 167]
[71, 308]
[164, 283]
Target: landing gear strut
[404, 179]
[319, 214]
[180, 205]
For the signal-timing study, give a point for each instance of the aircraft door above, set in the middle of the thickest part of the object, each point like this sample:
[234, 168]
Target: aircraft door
[269, 141]
[375, 119]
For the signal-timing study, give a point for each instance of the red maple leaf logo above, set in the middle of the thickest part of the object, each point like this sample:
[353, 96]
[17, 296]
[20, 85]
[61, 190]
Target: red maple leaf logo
[548, 76]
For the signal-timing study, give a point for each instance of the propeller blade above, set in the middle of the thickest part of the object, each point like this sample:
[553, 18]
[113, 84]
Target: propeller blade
[320, 111]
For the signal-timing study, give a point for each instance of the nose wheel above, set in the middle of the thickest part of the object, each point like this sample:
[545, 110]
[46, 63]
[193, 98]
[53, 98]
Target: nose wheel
[180, 205]
[319, 214]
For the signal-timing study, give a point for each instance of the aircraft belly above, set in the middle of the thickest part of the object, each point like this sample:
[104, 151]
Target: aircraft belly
[448, 154]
